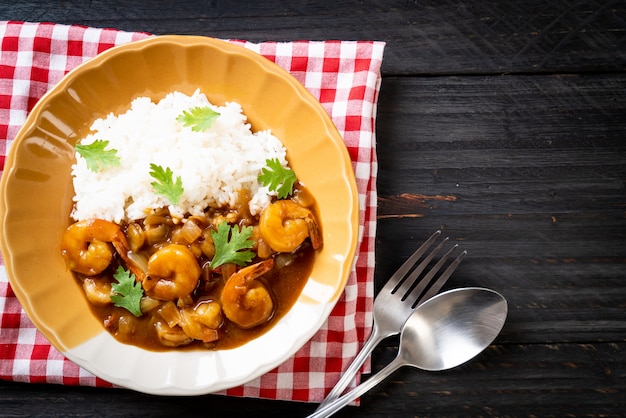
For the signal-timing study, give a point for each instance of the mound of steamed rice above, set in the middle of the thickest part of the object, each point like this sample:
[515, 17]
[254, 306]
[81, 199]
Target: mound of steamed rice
[214, 165]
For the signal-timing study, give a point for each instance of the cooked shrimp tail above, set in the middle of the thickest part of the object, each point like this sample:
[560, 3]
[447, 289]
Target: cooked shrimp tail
[173, 273]
[284, 225]
[245, 300]
[202, 321]
[86, 245]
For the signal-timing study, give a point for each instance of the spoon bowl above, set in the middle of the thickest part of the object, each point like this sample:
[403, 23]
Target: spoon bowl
[452, 328]
[442, 333]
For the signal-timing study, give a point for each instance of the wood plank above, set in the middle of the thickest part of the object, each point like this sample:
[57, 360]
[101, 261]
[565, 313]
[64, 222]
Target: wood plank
[528, 175]
[551, 299]
[478, 147]
[426, 37]
[546, 380]
[500, 123]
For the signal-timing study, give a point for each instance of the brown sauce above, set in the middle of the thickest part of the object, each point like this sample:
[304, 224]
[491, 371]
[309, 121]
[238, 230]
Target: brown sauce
[284, 282]
[286, 285]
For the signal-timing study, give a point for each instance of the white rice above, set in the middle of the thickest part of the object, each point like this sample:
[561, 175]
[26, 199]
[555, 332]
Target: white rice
[213, 165]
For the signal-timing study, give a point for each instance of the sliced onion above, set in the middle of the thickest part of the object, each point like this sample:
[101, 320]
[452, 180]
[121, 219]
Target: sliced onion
[139, 260]
[190, 232]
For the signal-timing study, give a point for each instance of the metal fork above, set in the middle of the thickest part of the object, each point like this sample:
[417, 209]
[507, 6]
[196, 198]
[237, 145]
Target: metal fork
[402, 293]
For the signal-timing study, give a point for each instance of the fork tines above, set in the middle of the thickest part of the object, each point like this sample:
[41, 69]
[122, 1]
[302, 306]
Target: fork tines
[419, 283]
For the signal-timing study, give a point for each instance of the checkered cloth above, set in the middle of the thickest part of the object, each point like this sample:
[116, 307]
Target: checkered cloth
[343, 75]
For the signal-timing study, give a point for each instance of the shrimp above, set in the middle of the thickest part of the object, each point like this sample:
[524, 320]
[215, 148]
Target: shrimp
[173, 273]
[245, 301]
[86, 245]
[97, 290]
[202, 321]
[284, 225]
[171, 336]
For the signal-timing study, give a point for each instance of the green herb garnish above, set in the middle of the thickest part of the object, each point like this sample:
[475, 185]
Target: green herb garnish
[229, 243]
[199, 118]
[278, 178]
[127, 292]
[96, 157]
[165, 184]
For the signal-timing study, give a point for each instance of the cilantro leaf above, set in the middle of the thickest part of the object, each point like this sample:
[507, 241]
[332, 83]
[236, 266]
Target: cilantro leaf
[165, 184]
[96, 157]
[127, 292]
[229, 250]
[199, 118]
[278, 178]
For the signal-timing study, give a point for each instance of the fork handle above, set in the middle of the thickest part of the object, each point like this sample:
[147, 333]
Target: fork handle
[334, 406]
[374, 339]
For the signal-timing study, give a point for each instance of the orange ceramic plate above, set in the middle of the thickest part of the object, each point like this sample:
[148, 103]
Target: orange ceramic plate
[37, 197]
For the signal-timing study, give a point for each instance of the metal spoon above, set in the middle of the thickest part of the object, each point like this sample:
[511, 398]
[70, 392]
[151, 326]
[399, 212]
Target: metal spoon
[444, 332]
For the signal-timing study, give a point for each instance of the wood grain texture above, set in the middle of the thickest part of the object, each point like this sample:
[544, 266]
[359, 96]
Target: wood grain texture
[533, 189]
[501, 123]
[425, 37]
[505, 380]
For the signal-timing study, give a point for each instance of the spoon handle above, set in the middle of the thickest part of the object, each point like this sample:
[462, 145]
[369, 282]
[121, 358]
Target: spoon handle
[374, 339]
[375, 379]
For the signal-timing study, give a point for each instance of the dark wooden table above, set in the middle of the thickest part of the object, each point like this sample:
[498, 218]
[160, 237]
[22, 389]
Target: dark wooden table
[502, 123]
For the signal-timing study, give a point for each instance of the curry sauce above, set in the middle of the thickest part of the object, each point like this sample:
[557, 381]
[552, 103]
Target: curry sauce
[286, 284]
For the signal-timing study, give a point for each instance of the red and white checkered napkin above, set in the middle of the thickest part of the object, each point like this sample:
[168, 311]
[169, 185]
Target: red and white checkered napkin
[344, 76]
